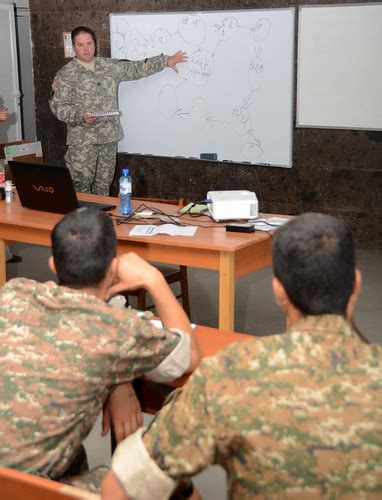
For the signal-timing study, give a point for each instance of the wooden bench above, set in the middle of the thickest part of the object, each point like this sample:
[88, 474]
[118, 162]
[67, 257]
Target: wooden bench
[211, 340]
[17, 485]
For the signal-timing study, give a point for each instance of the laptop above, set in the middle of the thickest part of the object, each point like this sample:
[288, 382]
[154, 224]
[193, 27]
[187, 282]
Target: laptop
[48, 188]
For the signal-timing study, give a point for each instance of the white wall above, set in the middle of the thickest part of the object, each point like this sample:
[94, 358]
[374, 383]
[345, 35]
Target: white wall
[25, 67]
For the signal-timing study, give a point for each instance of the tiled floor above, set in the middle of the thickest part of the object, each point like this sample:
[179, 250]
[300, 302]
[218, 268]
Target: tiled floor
[256, 313]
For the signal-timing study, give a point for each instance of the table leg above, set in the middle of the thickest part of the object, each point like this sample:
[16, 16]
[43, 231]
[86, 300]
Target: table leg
[3, 267]
[227, 291]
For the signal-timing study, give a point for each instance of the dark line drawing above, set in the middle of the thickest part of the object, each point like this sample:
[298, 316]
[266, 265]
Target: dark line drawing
[216, 48]
[210, 94]
[180, 112]
[184, 80]
[241, 120]
[227, 28]
[247, 101]
[249, 28]
[262, 29]
[211, 120]
[255, 73]
[200, 65]
[192, 29]
[251, 151]
[159, 42]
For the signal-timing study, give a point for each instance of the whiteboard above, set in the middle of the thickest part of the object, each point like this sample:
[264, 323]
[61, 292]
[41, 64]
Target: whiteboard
[233, 98]
[339, 77]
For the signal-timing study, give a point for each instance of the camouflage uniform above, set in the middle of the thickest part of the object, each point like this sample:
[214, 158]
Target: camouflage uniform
[92, 148]
[61, 352]
[296, 416]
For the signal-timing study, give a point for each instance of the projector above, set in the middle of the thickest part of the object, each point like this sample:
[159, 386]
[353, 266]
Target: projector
[224, 205]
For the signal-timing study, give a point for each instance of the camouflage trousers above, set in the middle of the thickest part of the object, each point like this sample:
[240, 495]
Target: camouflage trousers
[79, 475]
[92, 167]
[89, 481]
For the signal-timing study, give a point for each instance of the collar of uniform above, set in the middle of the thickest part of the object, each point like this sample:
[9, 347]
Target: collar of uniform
[90, 66]
[55, 296]
[325, 323]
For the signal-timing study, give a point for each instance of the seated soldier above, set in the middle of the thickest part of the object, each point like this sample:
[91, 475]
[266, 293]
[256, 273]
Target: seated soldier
[64, 349]
[297, 415]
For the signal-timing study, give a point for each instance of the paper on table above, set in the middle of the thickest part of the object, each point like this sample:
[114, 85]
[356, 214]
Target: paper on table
[158, 323]
[273, 223]
[171, 229]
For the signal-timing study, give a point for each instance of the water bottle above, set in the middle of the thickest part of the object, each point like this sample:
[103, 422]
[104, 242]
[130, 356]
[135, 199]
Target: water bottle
[125, 193]
[8, 192]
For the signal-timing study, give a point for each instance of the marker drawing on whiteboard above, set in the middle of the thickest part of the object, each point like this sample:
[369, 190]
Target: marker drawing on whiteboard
[225, 117]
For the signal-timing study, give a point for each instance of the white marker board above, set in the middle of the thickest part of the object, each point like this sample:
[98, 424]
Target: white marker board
[233, 97]
[339, 78]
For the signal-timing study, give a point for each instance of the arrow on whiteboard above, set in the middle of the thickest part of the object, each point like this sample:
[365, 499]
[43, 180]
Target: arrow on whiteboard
[216, 48]
[182, 82]
[251, 28]
[211, 120]
[256, 140]
[246, 101]
[180, 113]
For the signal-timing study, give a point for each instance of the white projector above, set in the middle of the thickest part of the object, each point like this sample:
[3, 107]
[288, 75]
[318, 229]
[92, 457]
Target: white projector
[238, 204]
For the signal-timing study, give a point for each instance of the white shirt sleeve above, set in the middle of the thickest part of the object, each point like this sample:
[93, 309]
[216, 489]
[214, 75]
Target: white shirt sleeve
[176, 363]
[138, 473]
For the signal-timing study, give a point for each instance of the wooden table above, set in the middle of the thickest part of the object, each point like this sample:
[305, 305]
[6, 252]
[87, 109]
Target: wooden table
[231, 254]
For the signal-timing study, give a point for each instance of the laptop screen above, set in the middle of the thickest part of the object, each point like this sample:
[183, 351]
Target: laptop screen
[47, 188]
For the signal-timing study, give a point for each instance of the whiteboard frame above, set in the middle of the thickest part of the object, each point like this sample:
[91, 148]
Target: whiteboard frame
[319, 6]
[289, 164]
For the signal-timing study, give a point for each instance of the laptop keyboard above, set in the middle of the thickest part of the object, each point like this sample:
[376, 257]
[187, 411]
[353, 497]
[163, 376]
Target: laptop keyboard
[98, 206]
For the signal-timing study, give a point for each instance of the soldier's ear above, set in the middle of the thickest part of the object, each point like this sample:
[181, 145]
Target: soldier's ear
[52, 265]
[354, 295]
[279, 292]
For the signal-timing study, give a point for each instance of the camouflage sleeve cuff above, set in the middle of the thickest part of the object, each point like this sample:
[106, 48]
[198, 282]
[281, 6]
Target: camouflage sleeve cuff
[79, 118]
[138, 473]
[176, 363]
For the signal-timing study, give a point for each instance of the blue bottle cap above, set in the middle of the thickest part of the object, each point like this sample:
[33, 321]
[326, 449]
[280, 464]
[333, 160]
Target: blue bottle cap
[125, 171]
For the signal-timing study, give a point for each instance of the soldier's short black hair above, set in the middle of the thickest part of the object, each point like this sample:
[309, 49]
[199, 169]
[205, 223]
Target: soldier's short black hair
[314, 258]
[83, 245]
[83, 29]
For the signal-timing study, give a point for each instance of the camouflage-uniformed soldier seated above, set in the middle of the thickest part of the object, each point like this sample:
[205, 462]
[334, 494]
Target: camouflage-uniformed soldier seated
[64, 349]
[297, 415]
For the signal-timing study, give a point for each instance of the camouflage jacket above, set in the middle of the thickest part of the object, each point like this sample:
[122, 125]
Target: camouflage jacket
[296, 416]
[61, 351]
[82, 90]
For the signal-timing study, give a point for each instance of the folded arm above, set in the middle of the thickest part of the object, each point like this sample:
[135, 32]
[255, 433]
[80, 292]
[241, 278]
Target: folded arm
[133, 273]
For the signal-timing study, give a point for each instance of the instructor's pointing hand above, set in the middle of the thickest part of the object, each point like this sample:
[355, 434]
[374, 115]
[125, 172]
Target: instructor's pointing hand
[178, 57]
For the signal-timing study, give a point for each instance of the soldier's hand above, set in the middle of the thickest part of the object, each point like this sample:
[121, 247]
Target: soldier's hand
[4, 114]
[111, 488]
[89, 120]
[178, 57]
[133, 273]
[123, 411]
